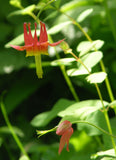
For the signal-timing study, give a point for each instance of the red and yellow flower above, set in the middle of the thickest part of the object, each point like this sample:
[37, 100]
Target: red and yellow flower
[34, 47]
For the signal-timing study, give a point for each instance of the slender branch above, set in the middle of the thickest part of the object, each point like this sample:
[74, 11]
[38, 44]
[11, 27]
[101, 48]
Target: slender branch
[101, 62]
[49, 2]
[104, 109]
[67, 79]
[18, 142]
[69, 83]
[99, 128]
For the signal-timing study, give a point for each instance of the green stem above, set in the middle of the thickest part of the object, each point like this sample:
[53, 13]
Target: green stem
[69, 83]
[18, 142]
[99, 128]
[107, 83]
[51, 1]
[110, 129]
[101, 62]
[67, 79]
[100, 96]
[110, 19]
[34, 17]
[38, 64]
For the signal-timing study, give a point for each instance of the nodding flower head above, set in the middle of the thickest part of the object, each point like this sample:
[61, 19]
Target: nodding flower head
[65, 130]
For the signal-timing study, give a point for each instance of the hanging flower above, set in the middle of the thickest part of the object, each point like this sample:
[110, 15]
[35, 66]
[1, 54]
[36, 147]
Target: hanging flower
[65, 130]
[34, 47]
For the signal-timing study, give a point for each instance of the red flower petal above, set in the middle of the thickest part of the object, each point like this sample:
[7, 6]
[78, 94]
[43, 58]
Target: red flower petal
[65, 139]
[63, 127]
[43, 33]
[56, 43]
[30, 35]
[19, 48]
[35, 35]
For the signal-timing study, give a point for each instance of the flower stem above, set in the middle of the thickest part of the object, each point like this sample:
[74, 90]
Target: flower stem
[69, 83]
[39, 70]
[67, 79]
[11, 129]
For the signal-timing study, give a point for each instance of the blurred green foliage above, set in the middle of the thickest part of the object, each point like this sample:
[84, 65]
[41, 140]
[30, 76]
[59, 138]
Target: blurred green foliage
[33, 103]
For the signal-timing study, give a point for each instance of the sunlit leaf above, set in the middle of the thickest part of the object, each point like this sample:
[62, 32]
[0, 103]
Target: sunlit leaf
[19, 39]
[113, 104]
[77, 72]
[74, 4]
[98, 77]
[63, 61]
[16, 3]
[90, 59]
[84, 15]
[110, 153]
[82, 109]
[85, 46]
[55, 29]
[23, 158]
[24, 11]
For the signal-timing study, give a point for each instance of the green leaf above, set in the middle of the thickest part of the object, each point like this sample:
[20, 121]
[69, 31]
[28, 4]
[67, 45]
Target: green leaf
[96, 118]
[84, 15]
[5, 130]
[74, 4]
[110, 153]
[25, 11]
[113, 104]
[77, 72]
[89, 111]
[63, 61]
[19, 39]
[16, 41]
[44, 118]
[98, 77]
[24, 158]
[10, 61]
[91, 59]
[57, 28]
[85, 46]
[81, 110]
[16, 3]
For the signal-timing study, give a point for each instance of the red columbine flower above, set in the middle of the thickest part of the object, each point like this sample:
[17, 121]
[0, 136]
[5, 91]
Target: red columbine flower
[65, 130]
[34, 47]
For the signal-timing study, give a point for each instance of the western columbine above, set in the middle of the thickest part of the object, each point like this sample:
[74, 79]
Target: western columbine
[34, 47]
[65, 130]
